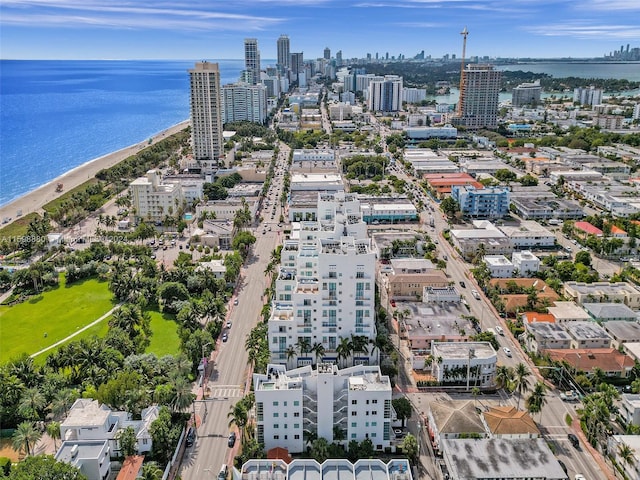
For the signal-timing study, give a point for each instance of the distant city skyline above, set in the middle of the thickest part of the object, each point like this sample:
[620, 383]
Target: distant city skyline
[200, 29]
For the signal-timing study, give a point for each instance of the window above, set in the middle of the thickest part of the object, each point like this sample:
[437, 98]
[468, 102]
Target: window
[276, 425]
[296, 425]
[353, 435]
[296, 403]
[296, 414]
[374, 424]
[297, 437]
[276, 437]
[354, 402]
[354, 413]
[275, 404]
[354, 424]
[375, 400]
[285, 404]
[373, 412]
[276, 415]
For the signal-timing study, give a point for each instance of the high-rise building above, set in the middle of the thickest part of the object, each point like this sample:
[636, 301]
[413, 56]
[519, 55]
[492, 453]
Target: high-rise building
[327, 53]
[587, 96]
[480, 97]
[386, 95]
[324, 293]
[526, 94]
[206, 117]
[294, 404]
[241, 101]
[284, 53]
[296, 64]
[252, 60]
[339, 58]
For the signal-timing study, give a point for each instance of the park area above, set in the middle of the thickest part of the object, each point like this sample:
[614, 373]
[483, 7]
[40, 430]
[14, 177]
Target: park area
[52, 316]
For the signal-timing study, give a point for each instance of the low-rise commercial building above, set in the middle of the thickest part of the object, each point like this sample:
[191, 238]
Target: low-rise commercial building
[606, 312]
[622, 332]
[499, 266]
[588, 335]
[509, 422]
[525, 262]
[568, 312]
[453, 419]
[529, 234]
[461, 363]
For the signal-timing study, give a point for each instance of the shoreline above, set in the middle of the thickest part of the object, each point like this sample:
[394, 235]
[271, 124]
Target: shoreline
[34, 200]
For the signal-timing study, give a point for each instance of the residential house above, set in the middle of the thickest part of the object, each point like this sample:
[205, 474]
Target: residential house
[622, 332]
[525, 262]
[568, 312]
[453, 419]
[91, 457]
[540, 336]
[587, 335]
[131, 468]
[410, 286]
[517, 302]
[478, 459]
[499, 266]
[509, 422]
[609, 360]
[600, 292]
[585, 229]
[606, 312]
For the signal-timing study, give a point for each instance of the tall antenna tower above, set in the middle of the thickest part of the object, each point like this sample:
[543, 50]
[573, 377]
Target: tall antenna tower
[464, 34]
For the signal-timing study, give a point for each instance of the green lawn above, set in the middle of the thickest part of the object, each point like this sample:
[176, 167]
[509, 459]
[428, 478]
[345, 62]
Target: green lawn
[164, 339]
[56, 313]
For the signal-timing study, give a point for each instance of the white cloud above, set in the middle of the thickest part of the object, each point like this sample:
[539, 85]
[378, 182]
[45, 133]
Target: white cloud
[609, 5]
[585, 31]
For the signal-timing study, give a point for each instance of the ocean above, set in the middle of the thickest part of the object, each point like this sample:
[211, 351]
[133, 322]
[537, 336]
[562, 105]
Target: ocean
[57, 115]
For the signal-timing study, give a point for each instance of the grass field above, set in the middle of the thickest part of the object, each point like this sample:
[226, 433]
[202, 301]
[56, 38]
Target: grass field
[56, 313]
[165, 338]
[18, 228]
[57, 202]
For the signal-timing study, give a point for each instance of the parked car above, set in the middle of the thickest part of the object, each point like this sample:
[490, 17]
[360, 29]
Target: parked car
[225, 337]
[232, 439]
[191, 436]
[500, 330]
[228, 325]
[235, 302]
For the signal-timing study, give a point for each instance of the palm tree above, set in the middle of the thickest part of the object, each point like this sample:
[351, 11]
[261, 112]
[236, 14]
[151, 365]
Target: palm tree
[181, 396]
[53, 430]
[626, 454]
[475, 391]
[238, 416]
[318, 349]
[304, 345]
[537, 400]
[25, 437]
[344, 349]
[504, 376]
[32, 402]
[290, 352]
[151, 471]
[520, 382]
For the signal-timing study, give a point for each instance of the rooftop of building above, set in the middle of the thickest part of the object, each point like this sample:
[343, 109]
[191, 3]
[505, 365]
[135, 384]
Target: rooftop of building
[586, 359]
[456, 416]
[587, 228]
[585, 330]
[87, 412]
[71, 452]
[509, 420]
[548, 331]
[411, 265]
[525, 229]
[461, 350]
[535, 317]
[501, 458]
[632, 399]
[330, 469]
[623, 330]
[524, 255]
[435, 320]
[603, 311]
[602, 288]
[131, 468]
[497, 261]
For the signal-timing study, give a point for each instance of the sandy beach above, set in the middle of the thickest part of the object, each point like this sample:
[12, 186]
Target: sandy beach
[34, 200]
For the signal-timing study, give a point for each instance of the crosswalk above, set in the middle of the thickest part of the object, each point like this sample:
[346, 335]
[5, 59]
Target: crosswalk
[224, 391]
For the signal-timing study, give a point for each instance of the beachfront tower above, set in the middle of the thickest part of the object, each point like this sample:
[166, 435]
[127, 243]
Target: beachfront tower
[479, 108]
[206, 116]
[284, 50]
[252, 60]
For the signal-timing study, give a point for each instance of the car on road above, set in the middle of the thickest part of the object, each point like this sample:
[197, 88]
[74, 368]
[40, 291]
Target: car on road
[499, 330]
[228, 325]
[225, 337]
[475, 294]
[569, 396]
[507, 351]
[574, 440]
[462, 284]
[579, 476]
[235, 302]
[232, 439]
[191, 436]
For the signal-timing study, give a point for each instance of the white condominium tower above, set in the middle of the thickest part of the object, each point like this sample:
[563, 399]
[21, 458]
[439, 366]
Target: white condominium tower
[386, 95]
[480, 97]
[242, 101]
[295, 405]
[252, 60]
[284, 51]
[206, 119]
[323, 308]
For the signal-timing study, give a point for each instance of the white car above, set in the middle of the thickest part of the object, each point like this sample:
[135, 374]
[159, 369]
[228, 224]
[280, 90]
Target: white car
[579, 476]
[507, 351]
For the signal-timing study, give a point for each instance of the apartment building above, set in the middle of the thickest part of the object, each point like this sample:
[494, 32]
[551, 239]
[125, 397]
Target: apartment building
[588, 95]
[324, 291]
[252, 60]
[540, 336]
[244, 102]
[292, 404]
[206, 115]
[386, 95]
[525, 262]
[479, 97]
[587, 335]
[481, 203]
[599, 292]
[499, 266]
[152, 199]
[526, 94]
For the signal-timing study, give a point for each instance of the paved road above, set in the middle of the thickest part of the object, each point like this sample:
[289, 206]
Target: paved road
[226, 384]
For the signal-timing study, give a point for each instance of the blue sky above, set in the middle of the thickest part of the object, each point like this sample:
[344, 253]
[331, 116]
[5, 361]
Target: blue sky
[215, 29]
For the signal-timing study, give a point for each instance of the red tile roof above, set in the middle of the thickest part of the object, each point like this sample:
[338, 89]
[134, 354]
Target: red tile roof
[617, 230]
[587, 228]
[131, 468]
[586, 359]
[531, 317]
